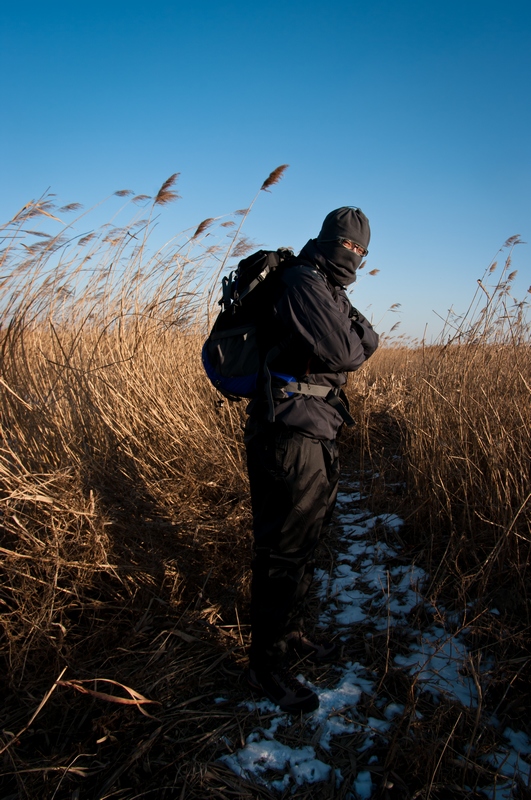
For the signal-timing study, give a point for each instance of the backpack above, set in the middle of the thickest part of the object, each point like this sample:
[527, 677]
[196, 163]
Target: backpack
[235, 355]
[234, 359]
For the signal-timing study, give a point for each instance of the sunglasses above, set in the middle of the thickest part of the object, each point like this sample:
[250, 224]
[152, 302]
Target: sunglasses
[354, 246]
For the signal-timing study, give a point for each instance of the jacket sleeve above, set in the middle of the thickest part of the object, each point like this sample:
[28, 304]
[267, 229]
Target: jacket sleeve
[367, 334]
[321, 322]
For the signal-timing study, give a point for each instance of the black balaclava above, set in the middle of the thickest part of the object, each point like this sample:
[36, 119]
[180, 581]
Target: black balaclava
[346, 222]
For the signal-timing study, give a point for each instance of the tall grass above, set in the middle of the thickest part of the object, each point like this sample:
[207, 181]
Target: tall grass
[460, 411]
[123, 500]
[104, 412]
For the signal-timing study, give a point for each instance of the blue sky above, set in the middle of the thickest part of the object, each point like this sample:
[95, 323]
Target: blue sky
[418, 112]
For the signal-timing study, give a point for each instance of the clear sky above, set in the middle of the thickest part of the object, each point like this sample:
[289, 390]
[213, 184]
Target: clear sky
[417, 111]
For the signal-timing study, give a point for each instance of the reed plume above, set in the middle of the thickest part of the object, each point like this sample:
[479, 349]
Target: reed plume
[70, 207]
[203, 226]
[165, 194]
[274, 177]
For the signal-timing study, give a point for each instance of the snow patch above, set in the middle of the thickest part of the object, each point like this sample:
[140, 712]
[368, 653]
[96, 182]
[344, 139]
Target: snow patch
[365, 589]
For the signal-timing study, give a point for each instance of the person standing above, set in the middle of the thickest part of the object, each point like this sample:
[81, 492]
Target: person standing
[292, 457]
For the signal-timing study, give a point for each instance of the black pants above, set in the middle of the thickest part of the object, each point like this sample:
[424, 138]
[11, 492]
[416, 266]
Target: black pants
[294, 481]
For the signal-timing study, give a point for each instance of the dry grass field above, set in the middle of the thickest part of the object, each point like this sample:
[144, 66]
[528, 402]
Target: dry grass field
[124, 516]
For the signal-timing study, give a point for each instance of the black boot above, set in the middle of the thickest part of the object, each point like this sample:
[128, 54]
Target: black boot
[317, 650]
[283, 689]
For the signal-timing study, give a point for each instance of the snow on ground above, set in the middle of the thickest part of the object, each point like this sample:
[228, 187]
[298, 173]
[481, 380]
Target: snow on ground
[367, 586]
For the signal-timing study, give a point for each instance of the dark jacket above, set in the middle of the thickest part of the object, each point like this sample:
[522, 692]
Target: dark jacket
[326, 338]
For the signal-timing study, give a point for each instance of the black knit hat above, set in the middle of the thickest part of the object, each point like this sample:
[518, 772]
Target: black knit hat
[349, 223]
[346, 222]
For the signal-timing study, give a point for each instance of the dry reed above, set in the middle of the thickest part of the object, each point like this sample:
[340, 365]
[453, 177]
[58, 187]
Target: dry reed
[125, 520]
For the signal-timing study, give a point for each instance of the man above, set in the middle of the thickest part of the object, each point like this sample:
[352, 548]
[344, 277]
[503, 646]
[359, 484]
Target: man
[292, 461]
